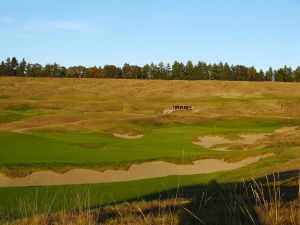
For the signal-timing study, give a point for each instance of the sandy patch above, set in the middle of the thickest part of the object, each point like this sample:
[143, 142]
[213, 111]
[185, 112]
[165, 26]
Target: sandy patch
[222, 144]
[135, 172]
[211, 141]
[167, 112]
[286, 129]
[254, 141]
[128, 136]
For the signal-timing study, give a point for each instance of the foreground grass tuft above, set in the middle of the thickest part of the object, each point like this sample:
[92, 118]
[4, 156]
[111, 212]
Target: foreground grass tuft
[266, 201]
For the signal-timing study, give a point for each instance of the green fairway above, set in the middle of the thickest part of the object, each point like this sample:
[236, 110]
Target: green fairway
[168, 142]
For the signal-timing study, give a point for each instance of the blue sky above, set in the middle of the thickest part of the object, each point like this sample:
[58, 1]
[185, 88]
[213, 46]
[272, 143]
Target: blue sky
[262, 33]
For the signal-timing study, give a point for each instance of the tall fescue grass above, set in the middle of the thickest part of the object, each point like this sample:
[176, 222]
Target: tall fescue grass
[250, 203]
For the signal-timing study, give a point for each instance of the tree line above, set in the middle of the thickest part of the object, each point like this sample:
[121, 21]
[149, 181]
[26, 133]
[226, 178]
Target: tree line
[161, 71]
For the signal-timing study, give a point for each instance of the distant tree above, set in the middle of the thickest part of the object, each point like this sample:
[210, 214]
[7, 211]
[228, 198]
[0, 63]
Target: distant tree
[2, 69]
[252, 74]
[21, 69]
[136, 72]
[154, 71]
[131, 71]
[126, 71]
[189, 72]
[240, 73]
[284, 74]
[34, 70]
[201, 71]
[95, 72]
[161, 74]
[261, 75]
[297, 74]
[52, 70]
[177, 71]
[146, 72]
[14, 66]
[269, 75]
[77, 71]
[168, 72]
[221, 71]
[8, 69]
[227, 72]
[111, 71]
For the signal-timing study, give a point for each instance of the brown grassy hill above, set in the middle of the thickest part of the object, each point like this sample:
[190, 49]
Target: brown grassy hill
[141, 89]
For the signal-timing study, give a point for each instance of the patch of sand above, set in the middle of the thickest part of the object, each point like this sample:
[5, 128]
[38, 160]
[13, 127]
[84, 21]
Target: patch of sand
[257, 140]
[249, 139]
[167, 112]
[211, 141]
[135, 172]
[286, 129]
[222, 144]
[128, 136]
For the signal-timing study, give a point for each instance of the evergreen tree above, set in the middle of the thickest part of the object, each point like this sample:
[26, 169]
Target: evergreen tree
[168, 72]
[14, 66]
[227, 72]
[21, 70]
[2, 69]
[34, 70]
[240, 73]
[252, 74]
[146, 72]
[189, 71]
[177, 71]
[297, 74]
[269, 75]
[154, 71]
[160, 71]
[261, 75]
[284, 74]
[126, 71]
[111, 71]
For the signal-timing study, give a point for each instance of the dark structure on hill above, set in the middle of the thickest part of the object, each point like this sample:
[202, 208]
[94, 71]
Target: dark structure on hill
[182, 107]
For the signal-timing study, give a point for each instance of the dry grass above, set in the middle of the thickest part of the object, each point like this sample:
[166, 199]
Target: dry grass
[84, 104]
[141, 89]
[268, 202]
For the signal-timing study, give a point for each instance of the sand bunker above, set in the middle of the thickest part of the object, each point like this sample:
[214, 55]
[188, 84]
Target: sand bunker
[286, 129]
[222, 143]
[257, 140]
[128, 136]
[135, 172]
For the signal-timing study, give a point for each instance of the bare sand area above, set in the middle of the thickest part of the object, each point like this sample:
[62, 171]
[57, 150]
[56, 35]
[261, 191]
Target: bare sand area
[128, 136]
[257, 140]
[135, 172]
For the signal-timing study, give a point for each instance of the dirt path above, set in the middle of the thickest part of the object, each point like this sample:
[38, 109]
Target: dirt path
[135, 172]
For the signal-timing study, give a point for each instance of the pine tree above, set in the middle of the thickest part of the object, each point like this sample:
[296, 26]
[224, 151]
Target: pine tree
[269, 75]
[177, 71]
[189, 71]
[21, 70]
[260, 75]
[297, 74]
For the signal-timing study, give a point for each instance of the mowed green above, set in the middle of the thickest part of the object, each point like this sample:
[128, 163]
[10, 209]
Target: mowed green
[168, 142]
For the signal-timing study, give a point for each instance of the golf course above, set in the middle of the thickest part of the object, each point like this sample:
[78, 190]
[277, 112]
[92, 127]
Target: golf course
[119, 140]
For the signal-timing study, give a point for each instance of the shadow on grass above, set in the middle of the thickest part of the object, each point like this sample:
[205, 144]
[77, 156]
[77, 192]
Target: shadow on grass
[213, 203]
[226, 204]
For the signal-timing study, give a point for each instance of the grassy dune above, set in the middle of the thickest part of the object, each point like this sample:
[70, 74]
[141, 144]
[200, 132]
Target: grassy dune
[60, 124]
